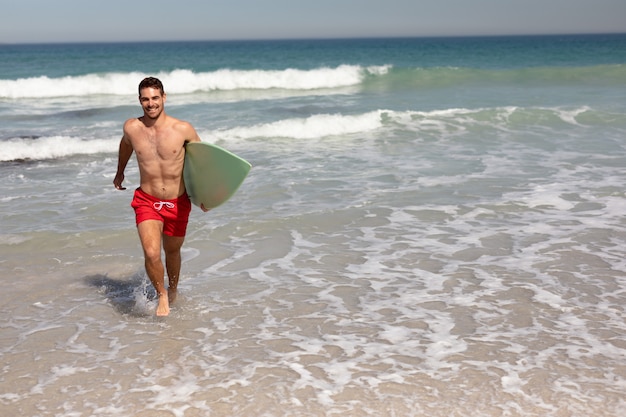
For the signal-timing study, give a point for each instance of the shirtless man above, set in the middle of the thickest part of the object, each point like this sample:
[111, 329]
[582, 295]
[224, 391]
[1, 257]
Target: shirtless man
[161, 203]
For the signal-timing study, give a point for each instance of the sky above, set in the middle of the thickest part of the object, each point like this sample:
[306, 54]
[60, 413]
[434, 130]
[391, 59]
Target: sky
[46, 21]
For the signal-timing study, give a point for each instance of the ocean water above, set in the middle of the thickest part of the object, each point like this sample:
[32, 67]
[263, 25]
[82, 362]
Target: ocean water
[431, 227]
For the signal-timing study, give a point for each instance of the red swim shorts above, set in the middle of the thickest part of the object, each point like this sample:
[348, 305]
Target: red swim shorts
[173, 213]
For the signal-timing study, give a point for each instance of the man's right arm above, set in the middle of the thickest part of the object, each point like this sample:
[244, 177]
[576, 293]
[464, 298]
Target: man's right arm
[125, 152]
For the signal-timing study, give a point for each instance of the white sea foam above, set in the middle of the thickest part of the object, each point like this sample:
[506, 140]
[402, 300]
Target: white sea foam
[54, 147]
[184, 81]
[403, 297]
[436, 123]
[316, 126]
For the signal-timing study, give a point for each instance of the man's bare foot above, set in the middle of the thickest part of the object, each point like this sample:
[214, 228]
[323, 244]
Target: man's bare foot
[163, 309]
[171, 294]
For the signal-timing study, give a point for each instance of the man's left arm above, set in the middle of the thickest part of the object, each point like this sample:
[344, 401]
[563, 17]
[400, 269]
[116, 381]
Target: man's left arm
[192, 135]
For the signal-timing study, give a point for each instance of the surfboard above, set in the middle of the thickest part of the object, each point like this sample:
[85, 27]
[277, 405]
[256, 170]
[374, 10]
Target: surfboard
[212, 174]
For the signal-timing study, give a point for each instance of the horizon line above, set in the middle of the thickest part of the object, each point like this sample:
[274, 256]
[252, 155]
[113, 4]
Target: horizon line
[278, 39]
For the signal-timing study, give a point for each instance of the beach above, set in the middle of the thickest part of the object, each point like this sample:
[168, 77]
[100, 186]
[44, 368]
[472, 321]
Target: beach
[431, 227]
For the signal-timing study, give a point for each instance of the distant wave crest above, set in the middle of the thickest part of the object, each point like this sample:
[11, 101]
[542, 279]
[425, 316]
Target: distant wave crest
[183, 81]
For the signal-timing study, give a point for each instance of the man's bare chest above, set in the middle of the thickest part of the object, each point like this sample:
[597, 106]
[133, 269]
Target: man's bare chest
[159, 146]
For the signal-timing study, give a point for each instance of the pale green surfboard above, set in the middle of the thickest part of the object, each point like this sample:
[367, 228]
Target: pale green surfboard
[212, 174]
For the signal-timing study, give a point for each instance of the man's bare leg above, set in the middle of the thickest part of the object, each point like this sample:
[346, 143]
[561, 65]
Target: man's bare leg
[150, 232]
[172, 246]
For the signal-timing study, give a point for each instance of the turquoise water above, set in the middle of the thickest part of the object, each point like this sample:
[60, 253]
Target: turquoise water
[431, 227]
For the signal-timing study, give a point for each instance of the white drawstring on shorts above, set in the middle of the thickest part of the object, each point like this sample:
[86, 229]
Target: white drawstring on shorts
[159, 205]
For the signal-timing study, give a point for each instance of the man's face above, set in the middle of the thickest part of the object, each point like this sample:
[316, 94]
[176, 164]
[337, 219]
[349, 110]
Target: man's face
[152, 102]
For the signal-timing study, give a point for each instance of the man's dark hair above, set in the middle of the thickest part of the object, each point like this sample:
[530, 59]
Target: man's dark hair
[151, 82]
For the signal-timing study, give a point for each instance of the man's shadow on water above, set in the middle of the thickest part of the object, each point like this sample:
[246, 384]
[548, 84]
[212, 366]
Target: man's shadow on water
[128, 296]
